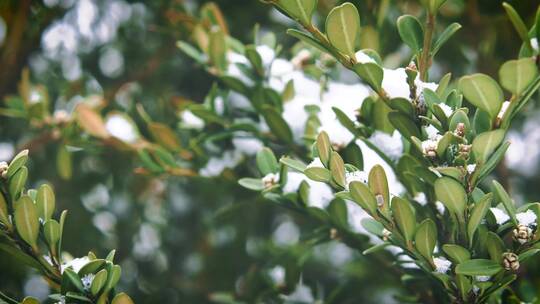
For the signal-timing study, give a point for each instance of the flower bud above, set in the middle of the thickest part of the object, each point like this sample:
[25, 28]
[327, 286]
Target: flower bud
[510, 261]
[386, 234]
[460, 130]
[3, 169]
[523, 234]
[270, 180]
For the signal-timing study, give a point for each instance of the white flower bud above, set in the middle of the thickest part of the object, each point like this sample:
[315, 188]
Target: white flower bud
[510, 261]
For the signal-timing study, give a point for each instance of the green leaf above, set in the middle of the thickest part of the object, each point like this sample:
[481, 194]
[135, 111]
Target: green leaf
[517, 75]
[343, 27]
[217, 48]
[122, 298]
[51, 230]
[255, 59]
[45, 202]
[114, 276]
[503, 197]
[98, 282]
[493, 161]
[30, 300]
[451, 194]
[495, 246]
[26, 220]
[404, 124]
[324, 148]
[425, 238]
[337, 167]
[293, 163]
[91, 267]
[371, 73]
[378, 184]
[478, 267]
[318, 174]
[307, 40]
[73, 279]
[477, 215]
[404, 217]
[17, 162]
[63, 216]
[255, 184]
[267, 162]
[64, 163]
[300, 10]
[483, 92]
[456, 253]
[411, 32]
[17, 182]
[485, 143]
[518, 23]
[277, 125]
[361, 195]
[4, 213]
[444, 36]
[192, 52]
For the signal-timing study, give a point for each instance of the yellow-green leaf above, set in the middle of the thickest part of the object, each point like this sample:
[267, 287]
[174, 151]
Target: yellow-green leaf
[425, 238]
[451, 194]
[343, 27]
[45, 201]
[26, 220]
[517, 75]
[483, 92]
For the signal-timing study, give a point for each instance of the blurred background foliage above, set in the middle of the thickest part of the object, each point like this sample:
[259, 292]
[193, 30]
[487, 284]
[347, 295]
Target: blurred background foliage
[196, 240]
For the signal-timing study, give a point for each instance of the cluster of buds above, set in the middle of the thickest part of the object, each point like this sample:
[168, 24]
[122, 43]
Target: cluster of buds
[386, 234]
[3, 169]
[464, 151]
[429, 148]
[270, 180]
[510, 261]
[523, 234]
[460, 130]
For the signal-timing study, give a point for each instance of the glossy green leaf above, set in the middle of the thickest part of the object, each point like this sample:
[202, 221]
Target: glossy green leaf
[337, 167]
[45, 201]
[64, 163]
[324, 148]
[371, 73]
[478, 267]
[444, 36]
[255, 184]
[411, 32]
[404, 124]
[517, 75]
[17, 162]
[217, 48]
[293, 163]
[451, 194]
[307, 39]
[483, 92]
[98, 282]
[485, 143]
[518, 23]
[301, 10]
[17, 182]
[122, 298]
[26, 220]
[4, 213]
[361, 195]
[425, 238]
[318, 174]
[378, 184]
[343, 27]
[267, 162]
[51, 231]
[502, 196]
[404, 217]
[277, 125]
[477, 215]
[495, 246]
[456, 253]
